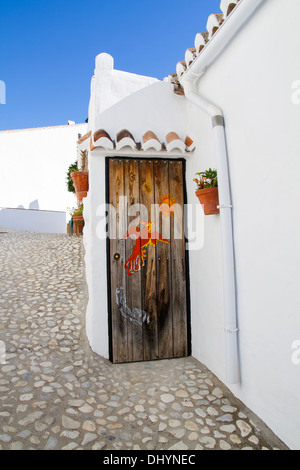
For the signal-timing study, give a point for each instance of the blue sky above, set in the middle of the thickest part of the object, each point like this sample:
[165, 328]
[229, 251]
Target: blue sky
[48, 50]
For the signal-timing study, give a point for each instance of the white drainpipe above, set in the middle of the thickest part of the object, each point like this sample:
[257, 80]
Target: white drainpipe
[230, 310]
[241, 13]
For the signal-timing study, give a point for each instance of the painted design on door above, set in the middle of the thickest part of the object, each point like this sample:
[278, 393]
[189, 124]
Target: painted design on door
[143, 237]
[149, 317]
[137, 315]
[167, 204]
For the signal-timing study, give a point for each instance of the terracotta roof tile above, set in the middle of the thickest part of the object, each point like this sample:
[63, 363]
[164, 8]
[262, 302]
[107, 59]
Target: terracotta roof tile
[174, 142]
[100, 134]
[84, 137]
[201, 40]
[177, 86]
[124, 134]
[92, 146]
[190, 56]
[190, 144]
[150, 141]
[227, 6]
[125, 139]
[214, 22]
[103, 139]
[181, 67]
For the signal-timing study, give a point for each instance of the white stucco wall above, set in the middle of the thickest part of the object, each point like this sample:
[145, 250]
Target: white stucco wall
[252, 81]
[95, 258]
[34, 164]
[33, 220]
[109, 86]
[206, 282]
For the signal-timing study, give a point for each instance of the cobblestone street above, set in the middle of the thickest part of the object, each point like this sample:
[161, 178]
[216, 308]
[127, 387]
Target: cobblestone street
[55, 393]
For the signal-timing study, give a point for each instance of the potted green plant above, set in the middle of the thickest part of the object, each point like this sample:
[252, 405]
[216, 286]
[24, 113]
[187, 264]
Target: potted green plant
[207, 190]
[80, 177]
[73, 167]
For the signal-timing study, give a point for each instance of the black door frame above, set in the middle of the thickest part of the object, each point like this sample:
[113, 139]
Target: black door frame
[108, 252]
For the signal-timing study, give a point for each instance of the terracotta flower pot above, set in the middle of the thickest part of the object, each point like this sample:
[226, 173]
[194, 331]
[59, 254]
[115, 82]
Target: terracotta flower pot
[81, 183]
[77, 224]
[209, 198]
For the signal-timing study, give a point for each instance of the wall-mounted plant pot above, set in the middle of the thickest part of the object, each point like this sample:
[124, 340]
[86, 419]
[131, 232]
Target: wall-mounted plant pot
[209, 198]
[81, 183]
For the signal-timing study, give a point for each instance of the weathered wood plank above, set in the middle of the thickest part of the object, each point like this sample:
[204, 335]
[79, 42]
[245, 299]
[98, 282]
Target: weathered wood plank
[118, 285]
[148, 276]
[179, 303]
[163, 261]
[133, 283]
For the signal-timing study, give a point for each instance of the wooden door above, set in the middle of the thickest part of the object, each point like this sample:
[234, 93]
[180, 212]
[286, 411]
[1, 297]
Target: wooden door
[147, 260]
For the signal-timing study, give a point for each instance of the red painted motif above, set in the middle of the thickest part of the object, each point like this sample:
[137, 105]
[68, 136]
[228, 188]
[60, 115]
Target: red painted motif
[143, 237]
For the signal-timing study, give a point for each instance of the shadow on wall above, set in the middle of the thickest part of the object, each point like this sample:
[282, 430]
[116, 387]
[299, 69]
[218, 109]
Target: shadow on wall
[33, 219]
[34, 205]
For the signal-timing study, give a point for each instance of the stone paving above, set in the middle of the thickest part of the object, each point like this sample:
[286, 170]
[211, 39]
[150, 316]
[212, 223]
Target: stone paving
[55, 393]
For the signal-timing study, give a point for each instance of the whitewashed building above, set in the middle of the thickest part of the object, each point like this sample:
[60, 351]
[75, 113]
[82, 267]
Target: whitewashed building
[34, 165]
[233, 105]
